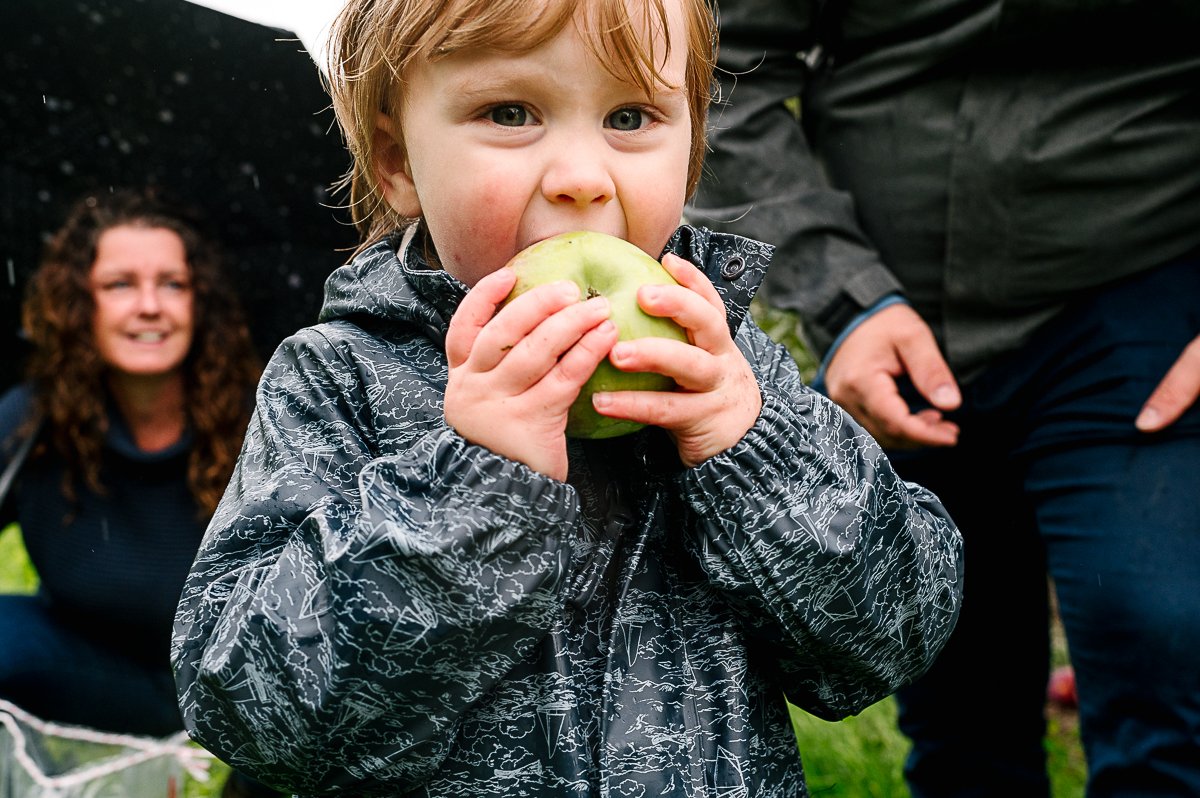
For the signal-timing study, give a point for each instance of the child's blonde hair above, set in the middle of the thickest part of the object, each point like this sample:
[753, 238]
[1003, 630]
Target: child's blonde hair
[373, 42]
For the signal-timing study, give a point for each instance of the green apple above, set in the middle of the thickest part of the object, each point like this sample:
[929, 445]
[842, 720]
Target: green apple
[602, 265]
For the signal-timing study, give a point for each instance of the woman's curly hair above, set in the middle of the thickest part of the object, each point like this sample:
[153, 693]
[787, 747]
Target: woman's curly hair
[66, 369]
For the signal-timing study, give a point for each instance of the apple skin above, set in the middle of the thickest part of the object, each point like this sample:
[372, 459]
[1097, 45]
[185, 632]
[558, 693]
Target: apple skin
[602, 265]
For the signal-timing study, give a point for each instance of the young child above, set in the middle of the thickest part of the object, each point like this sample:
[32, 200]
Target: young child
[416, 584]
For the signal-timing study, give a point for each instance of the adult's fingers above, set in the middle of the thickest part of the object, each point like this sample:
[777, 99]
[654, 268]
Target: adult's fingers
[886, 415]
[1177, 391]
[863, 377]
[928, 370]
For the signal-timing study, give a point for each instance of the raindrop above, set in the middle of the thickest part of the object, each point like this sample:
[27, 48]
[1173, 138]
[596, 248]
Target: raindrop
[294, 281]
[43, 195]
[67, 168]
[182, 78]
[166, 116]
[124, 146]
[12, 273]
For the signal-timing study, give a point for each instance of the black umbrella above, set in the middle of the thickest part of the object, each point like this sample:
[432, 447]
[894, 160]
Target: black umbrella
[226, 113]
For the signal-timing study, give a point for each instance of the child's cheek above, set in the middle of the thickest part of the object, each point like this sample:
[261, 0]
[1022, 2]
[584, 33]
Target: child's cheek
[653, 222]
[475, 245]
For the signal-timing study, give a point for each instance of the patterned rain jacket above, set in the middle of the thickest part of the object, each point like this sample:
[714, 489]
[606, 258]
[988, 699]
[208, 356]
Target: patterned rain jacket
[380, 607]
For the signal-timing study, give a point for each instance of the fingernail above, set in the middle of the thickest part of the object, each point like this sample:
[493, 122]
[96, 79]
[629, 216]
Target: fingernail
[652, 292]
[1148, 419]
[620, 351]
[945, 395]
[600, 400]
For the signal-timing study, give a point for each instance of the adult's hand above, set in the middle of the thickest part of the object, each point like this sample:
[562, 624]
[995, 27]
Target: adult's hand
[862, 376]
[1177, 392]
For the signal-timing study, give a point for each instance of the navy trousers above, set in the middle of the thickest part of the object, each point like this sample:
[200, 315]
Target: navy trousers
[61, 674]
[1050, 476]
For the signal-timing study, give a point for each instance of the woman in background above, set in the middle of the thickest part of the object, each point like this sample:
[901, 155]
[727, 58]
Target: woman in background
[139, 389]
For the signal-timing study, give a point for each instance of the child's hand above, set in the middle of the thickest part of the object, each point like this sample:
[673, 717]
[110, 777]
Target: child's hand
[514, 373]
[718, 398]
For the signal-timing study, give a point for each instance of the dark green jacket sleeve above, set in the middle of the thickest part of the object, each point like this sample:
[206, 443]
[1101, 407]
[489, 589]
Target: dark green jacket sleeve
[762, 181]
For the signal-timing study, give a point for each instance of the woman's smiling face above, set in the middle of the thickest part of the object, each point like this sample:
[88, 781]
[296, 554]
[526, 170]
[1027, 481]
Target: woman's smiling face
[141, 286]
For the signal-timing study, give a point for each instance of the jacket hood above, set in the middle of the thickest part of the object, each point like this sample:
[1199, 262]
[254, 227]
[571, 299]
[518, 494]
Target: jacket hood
[391, 283]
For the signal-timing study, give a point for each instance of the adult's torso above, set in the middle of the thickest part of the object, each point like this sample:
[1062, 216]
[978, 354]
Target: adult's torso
[1005, 156]
[112, 564]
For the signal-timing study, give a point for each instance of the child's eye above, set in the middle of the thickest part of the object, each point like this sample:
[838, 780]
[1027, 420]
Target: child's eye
[626, 119]
[509, 115]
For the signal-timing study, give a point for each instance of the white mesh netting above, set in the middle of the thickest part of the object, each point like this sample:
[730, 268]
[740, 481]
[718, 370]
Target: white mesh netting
[47, 760]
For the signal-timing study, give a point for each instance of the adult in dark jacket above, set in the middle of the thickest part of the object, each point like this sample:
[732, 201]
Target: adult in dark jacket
[420, 586]
[140, 378]
[988, 216]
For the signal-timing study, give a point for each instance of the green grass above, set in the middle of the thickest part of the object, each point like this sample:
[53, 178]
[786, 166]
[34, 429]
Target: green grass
[782, 327]
[863, 756]
[860, 756]
[16, 575]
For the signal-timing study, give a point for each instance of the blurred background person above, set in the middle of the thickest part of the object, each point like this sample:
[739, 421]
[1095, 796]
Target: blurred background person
[139, 387]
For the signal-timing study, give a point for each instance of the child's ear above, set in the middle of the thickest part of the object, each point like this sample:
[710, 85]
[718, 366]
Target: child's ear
[391, 169]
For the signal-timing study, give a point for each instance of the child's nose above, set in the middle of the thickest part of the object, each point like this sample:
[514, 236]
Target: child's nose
[579, 178]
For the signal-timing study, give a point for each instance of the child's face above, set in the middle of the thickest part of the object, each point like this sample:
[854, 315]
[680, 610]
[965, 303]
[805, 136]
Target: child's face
[501, 150]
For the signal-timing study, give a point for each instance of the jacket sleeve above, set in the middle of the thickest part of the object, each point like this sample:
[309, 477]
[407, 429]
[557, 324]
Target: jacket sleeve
[348, 602]
[16, 406]
[848, 578]
[762, 181]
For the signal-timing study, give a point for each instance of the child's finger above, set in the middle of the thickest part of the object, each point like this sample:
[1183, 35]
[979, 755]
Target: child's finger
[687, 275]
[579, 362]
[692, 368]
[517, 319]
[476, 310]
[542, 350]
[655, 408]
[704, 321]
